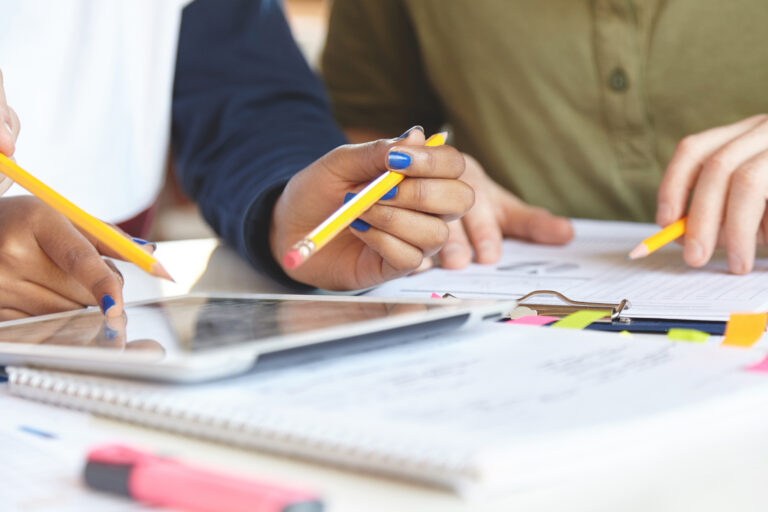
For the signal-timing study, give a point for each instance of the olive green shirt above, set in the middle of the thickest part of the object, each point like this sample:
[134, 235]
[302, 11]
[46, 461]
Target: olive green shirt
[574, 105]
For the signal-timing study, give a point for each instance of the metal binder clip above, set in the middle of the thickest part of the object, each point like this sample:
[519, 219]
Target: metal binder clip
[571, 306]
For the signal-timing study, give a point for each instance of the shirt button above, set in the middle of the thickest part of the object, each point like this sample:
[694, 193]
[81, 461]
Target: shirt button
[618, 81]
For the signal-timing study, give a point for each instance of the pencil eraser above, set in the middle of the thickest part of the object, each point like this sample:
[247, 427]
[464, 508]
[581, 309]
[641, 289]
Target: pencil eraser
[292, 259]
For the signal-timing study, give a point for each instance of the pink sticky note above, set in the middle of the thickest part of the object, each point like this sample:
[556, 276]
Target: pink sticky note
[761, 366]
[533, 320]
[436, 296]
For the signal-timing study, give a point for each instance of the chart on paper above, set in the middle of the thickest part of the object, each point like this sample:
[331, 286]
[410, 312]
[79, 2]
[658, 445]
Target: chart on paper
[594, 267]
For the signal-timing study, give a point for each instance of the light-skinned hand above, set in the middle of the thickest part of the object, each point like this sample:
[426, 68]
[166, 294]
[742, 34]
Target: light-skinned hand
[47, 265]
[497, 214]
[404, 230]
[9, 132]
[724, 172]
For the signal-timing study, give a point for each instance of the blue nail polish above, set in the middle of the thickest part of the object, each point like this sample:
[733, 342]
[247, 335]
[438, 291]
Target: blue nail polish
[106, 302]
[360, 225]
[408, 132]
[110, 333]
[140, 241]
[397, 160]
[390, 194]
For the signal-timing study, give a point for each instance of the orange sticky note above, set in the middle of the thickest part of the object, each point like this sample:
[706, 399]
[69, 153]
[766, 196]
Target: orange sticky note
[744, 329]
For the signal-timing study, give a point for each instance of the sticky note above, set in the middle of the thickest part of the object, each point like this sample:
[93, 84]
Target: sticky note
[687, 335]
[744, 329]
[625, 334]
[762, 366]
[580, 319]
[533, 320]
[436, 296]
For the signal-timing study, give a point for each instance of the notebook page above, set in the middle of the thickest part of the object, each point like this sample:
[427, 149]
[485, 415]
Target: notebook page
[445, 402]
[594, 268]
[44, 452]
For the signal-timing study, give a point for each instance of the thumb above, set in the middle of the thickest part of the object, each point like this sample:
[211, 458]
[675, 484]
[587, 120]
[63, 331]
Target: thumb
[532, 223]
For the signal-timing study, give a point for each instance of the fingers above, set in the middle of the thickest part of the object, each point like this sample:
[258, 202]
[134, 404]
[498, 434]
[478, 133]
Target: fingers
[686, 163]
[532, 223]
[746, 211]
[7, 314]
[78, 258]
[708, 203]
[9, 124]
[484, 232]
[448, 198]
[365, 162]
[398, 257]
[105, 250]
[456, 253]
[426, 232]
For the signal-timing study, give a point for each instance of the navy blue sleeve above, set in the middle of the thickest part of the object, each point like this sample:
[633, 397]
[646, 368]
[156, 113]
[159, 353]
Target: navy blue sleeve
[248, 113]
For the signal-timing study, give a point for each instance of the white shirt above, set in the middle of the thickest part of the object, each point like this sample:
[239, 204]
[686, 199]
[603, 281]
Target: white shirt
[91, 81]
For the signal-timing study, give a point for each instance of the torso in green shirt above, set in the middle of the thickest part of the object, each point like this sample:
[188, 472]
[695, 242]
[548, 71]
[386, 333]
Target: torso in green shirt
[573, 105]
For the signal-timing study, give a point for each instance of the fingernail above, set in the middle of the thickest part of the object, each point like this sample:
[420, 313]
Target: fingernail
[141, 241]
[407, 132]
[107, 302]
[663, 213]
[397, 160]
[110, 333]
[390, 194]
[693, 251]
[10, 130]
[358, 224]
[735, 263]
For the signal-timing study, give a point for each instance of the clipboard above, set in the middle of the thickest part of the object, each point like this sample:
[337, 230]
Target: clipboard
[615, 321]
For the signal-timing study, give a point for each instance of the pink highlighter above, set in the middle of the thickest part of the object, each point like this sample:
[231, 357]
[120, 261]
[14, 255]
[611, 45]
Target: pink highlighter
[165, 482]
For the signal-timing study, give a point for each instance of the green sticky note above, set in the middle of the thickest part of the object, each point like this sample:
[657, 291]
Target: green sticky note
[687, 335]
[580, 319]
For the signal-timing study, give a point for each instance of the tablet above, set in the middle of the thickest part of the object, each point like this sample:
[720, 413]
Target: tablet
[199, 337]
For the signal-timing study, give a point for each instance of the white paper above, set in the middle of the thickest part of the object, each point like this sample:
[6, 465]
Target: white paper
[43, 473]
[594, 268]
[451, 400]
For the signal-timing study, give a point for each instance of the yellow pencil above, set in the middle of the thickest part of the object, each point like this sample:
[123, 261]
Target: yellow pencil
[348, 212]
[105, 233]
[660, 239]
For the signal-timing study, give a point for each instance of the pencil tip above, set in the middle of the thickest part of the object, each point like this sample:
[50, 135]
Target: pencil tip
[159, 271]
[641, 251]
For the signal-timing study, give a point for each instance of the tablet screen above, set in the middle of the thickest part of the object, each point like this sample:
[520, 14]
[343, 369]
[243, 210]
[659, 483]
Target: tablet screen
[196, 324]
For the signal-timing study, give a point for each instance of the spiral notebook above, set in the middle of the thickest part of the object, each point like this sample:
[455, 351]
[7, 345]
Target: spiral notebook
[500, 408]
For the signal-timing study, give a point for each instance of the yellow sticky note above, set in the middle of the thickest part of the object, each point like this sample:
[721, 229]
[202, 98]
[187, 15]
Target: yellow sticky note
[744, 329]
[625, 334]
[580, 319]
[687, 335]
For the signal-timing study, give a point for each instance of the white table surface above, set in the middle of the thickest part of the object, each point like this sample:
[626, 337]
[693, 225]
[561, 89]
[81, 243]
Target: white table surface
[732, 477]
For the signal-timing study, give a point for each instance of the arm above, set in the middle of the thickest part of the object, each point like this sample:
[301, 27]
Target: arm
[248, 113]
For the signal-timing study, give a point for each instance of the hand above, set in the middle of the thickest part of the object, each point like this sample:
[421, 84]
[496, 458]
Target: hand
[727, 170]
[47, 265]
[9, 132]
[404, 230]
[497, 214]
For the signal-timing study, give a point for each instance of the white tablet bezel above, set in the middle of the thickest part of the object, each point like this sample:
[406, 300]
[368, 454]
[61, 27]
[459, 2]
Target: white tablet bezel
[234, 359]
